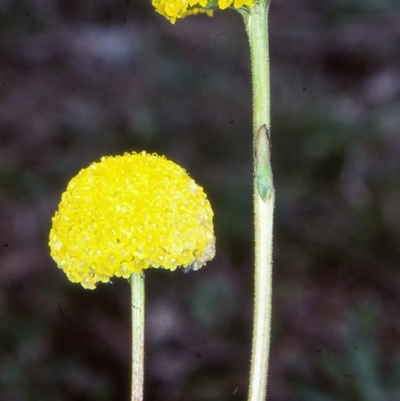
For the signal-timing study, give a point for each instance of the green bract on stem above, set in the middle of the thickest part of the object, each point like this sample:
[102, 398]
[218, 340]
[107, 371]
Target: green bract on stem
[263, 173]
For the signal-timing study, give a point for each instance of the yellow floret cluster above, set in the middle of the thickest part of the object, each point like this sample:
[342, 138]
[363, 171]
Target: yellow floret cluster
[128, 213]
[174, 9]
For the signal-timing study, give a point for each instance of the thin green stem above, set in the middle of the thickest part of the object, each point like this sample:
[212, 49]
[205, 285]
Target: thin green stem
[137, 292]
[256, 21]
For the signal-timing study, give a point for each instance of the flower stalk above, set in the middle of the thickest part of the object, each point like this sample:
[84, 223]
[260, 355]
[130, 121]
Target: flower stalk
[256, 22]
[137, 305]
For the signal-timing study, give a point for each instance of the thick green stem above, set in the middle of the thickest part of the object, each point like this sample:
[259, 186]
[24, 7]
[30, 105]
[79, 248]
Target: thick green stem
[256, 21]
[137, 291]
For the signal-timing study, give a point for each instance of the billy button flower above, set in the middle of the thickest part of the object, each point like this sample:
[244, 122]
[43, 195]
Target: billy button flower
[129, 213]
[126, 214]
[174, 9]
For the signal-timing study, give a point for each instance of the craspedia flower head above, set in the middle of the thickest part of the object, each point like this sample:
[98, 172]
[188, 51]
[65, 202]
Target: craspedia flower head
[128, 213]
[175, 9]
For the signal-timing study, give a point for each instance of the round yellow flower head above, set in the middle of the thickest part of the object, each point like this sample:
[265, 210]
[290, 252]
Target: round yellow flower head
[128, 213]
[174, 9]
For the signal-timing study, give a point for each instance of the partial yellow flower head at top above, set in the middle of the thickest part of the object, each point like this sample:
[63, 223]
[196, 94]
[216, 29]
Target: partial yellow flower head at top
[174, 9]
[128, 213]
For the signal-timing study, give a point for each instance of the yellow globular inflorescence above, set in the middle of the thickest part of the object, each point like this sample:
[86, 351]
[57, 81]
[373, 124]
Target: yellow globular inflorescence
[174, 9]
[128, 213]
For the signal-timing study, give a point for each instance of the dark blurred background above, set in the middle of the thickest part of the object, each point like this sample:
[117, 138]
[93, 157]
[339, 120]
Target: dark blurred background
[80, 79]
